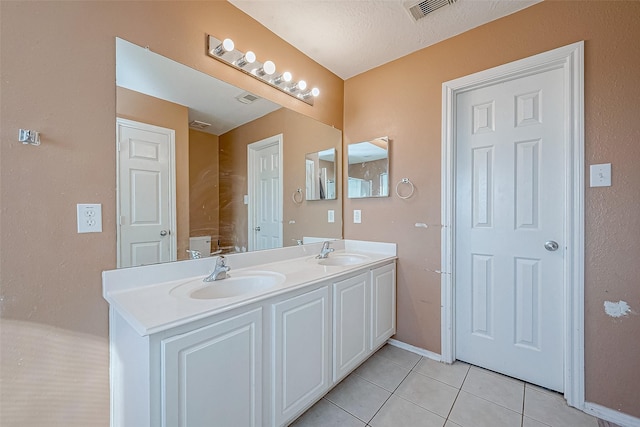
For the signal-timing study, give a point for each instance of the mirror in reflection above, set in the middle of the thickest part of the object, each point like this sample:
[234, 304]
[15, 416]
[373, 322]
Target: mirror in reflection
[368, 168]
[320, 175]
[204, 201]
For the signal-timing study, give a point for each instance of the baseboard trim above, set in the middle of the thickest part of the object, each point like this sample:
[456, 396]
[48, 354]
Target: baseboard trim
[417, 350]
[608, 414]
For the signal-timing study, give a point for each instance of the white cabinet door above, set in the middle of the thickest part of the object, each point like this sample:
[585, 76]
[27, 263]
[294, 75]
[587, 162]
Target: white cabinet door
[213, 375]
[300, 353]
[383, 304]
[350, 324]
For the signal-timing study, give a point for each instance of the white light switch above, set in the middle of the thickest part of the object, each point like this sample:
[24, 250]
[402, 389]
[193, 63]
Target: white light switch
[357, 216]
[89, 218]
[331, 216]
[600, 175]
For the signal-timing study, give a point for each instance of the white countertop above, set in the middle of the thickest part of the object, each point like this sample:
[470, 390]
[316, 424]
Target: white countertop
[144, 297]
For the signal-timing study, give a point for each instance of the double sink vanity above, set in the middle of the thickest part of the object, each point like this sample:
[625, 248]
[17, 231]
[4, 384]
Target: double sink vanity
[255, 348]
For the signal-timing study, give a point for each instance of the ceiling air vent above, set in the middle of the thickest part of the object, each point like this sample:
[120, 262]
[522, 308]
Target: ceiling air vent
[423, 8]
[197, 124]
[247, 98]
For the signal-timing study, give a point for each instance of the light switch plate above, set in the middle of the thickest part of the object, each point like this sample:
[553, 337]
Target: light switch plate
[600, 175]
[89, 217]
[331, 216]
[357, 216]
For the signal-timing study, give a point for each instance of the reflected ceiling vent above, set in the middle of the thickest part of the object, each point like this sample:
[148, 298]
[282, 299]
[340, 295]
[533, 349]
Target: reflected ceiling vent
[247, 98]
[421, 9]
[197, 124]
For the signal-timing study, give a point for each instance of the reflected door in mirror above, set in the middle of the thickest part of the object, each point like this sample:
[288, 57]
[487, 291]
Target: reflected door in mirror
[320, 175]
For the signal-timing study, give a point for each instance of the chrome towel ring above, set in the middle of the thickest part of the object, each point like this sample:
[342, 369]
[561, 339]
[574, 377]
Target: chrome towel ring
[297, 196]
[411, 190]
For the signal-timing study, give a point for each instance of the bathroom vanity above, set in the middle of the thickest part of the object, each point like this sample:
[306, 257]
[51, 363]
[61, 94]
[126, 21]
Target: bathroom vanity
[255, 349]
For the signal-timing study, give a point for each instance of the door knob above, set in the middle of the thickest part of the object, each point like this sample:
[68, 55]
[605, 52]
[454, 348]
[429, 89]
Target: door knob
[257, 228]
[551, 246]
[163, 233]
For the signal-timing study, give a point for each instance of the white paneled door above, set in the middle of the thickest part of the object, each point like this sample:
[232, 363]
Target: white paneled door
[265, 193]
[146, 194]
[509, 253]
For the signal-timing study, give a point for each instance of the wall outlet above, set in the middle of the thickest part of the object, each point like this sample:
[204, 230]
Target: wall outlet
[600, 175]
[331, 216]
[89, 218]
[357, 216]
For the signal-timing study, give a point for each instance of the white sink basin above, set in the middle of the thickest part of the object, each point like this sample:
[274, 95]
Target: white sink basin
[343, 259]
[234, 285]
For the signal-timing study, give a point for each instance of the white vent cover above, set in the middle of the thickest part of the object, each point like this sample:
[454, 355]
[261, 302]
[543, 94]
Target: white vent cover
[197, 124]
[421, 9]
[247, 98]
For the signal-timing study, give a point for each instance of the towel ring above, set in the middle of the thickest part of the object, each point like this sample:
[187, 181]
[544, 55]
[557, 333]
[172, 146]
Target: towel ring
[405, 181]
[297, 200]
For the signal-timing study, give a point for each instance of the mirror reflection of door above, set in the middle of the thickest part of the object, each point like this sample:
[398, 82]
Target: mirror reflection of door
[265, 193]
[146, 194]
[320, 175]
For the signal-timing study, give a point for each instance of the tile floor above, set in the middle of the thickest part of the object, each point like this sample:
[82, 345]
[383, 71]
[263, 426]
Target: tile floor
[397, 388]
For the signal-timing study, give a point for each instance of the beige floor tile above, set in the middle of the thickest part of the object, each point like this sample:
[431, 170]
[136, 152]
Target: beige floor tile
[551, 409]
[496, 388]
[399, 412]
[431, 394]
[450, 423]
[453, 374]
[358, 397]
[540, 389]
[530, 422]
[400, 356]
[382, 372]
[326, 414]
[472, 411]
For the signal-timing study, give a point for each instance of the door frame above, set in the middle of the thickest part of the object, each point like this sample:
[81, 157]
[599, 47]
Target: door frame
[570, 59]
[171, 133]
[252, 154]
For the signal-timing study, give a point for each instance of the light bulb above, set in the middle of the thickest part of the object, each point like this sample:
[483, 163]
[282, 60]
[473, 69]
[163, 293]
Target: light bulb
[308, 94]
[284, 77]
[224, 47]
[247, 58]
[269, 68]
[302, 85]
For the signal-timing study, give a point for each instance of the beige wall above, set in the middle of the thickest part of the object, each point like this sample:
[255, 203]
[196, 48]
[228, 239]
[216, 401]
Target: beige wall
[57, 77]
[411, 116]
[300, 135]
[136, 106]
[204, 190]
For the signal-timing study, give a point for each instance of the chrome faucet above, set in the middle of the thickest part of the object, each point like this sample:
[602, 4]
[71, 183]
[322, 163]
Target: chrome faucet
[219, 272]
[194, 254]
[325, 251]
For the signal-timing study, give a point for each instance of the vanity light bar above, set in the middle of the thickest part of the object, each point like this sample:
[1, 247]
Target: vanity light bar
[224, 51]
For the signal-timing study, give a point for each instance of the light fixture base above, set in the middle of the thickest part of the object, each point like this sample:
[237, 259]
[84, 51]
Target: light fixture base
[230, 58]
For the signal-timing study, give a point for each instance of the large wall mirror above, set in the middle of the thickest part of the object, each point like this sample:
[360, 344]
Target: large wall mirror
[188, 145]
[368, 168]
[320, 175]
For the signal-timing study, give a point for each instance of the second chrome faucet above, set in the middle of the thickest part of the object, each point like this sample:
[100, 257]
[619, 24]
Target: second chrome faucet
[325, 251]
[220, 270]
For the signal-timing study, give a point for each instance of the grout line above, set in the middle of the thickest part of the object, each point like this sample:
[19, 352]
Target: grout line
[457, 394]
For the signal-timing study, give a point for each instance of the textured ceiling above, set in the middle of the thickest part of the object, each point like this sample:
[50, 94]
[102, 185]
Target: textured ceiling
[350, 37]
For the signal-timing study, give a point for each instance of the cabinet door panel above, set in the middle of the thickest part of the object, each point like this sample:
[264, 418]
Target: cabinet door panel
[213, 375]
[350, 324]
[301, 353]
[383, 304]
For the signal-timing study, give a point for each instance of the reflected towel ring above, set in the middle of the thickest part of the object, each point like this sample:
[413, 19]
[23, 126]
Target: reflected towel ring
[297, 200]
[405, 181]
